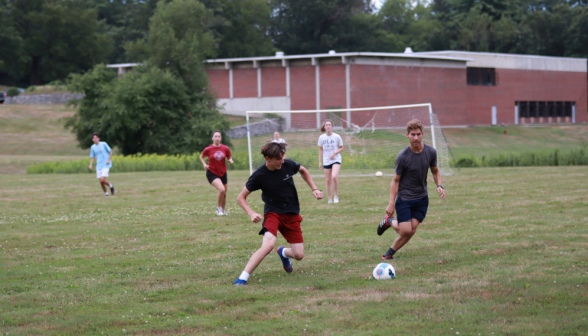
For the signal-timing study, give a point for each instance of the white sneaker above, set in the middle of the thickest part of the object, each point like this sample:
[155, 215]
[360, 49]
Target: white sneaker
[330, 201]
[225, 213]
[336, 200]
[219, 211]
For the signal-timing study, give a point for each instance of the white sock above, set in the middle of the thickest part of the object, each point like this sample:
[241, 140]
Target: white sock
[284, 253]
[244, 276]
[111, 185]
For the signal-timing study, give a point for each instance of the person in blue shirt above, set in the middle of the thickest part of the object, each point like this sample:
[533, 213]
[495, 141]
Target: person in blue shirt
[103, 154]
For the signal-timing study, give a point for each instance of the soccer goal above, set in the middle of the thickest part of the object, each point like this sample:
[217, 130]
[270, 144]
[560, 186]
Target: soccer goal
[372, 136]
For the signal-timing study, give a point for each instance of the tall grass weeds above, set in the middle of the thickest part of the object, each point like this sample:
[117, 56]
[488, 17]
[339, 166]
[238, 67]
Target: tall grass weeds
[136, 163]
[554, 157]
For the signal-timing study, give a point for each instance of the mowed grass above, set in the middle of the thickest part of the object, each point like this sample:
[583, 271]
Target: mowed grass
[505, 253]
[483, 141]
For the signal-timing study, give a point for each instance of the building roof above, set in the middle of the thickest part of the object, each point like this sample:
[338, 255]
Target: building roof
[343, 56]
[516, 61]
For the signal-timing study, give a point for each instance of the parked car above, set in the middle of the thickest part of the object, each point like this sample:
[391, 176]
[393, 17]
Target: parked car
[2, 97]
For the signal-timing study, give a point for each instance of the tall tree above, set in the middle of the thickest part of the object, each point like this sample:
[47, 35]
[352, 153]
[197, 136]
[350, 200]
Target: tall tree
[163, 106]
[306, 26]
[60, 37]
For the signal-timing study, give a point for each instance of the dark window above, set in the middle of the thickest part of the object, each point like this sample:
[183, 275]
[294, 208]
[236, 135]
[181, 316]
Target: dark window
[481, 76]
[551, 109]
[532, 109]
[567, 109]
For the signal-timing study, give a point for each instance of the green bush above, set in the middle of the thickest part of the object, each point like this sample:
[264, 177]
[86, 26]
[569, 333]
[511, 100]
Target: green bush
[31, 89]
[554, 157]
[12, 92]
[137, 163]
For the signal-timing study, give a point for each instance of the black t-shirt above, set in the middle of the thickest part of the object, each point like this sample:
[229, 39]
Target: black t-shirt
[277, 187]
[413, 169]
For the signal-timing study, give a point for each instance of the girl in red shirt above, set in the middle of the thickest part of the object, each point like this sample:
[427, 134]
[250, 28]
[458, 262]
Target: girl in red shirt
[216, 169]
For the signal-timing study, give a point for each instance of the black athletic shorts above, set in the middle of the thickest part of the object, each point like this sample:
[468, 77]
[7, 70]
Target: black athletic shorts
[406, 210]
[212, 176]
[331, 165]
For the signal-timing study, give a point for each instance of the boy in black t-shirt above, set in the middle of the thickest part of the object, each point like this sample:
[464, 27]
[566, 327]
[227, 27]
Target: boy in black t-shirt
[281, 210]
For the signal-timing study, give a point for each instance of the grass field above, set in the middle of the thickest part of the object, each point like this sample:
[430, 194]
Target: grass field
[505, 254]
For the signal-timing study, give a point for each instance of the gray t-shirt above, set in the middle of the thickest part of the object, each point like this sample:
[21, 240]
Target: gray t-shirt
[412, 168]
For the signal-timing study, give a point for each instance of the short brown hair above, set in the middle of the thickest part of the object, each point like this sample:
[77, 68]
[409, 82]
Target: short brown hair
[324, 123]
[273, 150]
[96, 134]
[414, 124]
[214, 132]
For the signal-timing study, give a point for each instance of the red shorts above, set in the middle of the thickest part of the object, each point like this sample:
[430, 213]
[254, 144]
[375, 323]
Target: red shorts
[288, 224]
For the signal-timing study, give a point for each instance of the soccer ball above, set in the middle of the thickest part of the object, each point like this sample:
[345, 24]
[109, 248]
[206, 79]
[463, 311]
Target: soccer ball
[384, 271]
[379, 174]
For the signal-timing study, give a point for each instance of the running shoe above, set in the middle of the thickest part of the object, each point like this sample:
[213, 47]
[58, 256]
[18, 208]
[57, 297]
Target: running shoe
[219, 211]
[240, 282]
[225, 213]
[285, 261]
[385, 224]
[330, 201]
[336, 199]
[387, 257]
[112, 190]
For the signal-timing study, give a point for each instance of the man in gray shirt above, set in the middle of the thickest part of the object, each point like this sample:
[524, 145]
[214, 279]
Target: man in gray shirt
[410, 185]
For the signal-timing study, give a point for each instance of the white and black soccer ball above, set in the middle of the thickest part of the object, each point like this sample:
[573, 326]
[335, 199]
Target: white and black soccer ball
[384, 271]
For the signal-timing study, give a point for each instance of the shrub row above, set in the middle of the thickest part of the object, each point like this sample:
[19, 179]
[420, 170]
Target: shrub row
[555, 157]
[136, 163]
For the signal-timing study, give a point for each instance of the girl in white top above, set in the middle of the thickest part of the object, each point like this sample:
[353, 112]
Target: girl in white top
[331, 146]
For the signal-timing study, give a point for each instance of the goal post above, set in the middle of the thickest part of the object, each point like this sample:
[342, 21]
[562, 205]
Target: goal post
[372, 137]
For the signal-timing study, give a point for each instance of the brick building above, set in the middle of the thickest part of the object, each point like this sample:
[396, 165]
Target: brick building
[465, 88]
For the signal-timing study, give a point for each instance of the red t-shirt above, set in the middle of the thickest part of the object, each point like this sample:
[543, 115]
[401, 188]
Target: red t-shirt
[216, 159]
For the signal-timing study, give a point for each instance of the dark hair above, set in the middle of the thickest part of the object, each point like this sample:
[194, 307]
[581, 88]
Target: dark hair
[273, 150]
[213, 132]
[324, 123]
[96, 134]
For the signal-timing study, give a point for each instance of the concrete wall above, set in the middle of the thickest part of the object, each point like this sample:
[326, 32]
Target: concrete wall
[43, 98]
[259, 128]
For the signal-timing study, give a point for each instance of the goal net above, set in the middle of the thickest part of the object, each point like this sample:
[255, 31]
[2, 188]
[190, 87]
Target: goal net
[372, 137]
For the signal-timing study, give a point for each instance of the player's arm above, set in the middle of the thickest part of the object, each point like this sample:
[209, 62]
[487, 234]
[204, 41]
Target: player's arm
[91, 163]
[109, 157]
[203, 162]
[242, 200]
[321, 158]
[393, 192]
[437, 178]
[231, 159]
[306, 177]
[339, 150]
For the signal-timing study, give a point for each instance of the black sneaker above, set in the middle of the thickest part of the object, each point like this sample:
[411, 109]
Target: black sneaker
[387, 257]
[112, 190]
[385, 224]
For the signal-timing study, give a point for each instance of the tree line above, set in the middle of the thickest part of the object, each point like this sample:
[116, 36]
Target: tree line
[42, 41]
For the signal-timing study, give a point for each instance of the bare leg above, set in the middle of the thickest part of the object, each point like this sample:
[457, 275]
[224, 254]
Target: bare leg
[103, 184]
[295, 251]
[222, 193]
[405, 231]
[267, 246]
[335, 176]
[224, 200]
[328, 178]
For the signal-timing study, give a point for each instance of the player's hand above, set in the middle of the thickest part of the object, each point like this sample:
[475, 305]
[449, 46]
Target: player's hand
[320, 166]
[231, 160]
[441, 192]
[318, 194]
[205, 167]
[108, 162]
[390, 210]
[256, 218]
[90, 167]
[332, 156]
